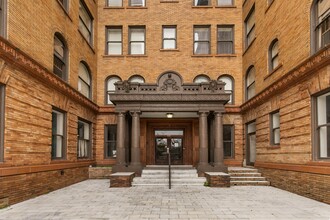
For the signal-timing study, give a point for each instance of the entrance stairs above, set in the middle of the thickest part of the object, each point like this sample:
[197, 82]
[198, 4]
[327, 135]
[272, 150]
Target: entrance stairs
[157, 175]
[245, 176]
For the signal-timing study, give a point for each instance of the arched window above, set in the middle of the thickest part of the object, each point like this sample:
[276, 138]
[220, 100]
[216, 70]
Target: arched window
[60, 56]
[229, 87]
[84, 80]
[136, 79]
[273, 55]
[250, 83]
[201, 78]
[320, 17]
[110, 87]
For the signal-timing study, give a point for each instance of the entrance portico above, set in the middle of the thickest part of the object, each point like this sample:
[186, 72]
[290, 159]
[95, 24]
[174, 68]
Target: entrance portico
[200, 102]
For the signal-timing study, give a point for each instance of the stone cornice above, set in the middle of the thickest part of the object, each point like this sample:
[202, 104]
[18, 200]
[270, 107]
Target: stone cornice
[303, 70]
[20, 60]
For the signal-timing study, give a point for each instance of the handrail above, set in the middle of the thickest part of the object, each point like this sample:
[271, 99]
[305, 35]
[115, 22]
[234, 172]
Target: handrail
[169, 168]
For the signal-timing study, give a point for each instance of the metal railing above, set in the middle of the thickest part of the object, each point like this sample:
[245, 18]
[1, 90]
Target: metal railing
[169, 167]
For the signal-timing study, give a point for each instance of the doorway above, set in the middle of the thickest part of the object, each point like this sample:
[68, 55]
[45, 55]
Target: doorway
[251, 144]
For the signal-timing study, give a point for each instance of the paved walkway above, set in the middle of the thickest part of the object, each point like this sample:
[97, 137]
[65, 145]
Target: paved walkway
[93, 199]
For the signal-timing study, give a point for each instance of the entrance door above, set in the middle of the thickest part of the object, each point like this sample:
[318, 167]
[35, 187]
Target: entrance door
[172, 139]
[251, 144]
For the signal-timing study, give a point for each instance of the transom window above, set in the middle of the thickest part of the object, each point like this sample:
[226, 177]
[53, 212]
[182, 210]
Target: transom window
[225, 39]
[110, 84]
[322, 23]
[249, 28]
[201, 79]
[201, 2]
[229, 87]
[84, 80]
[115, 3]
[250, 83]
[58, 134]
[169, 37]
[137, 40]
[136, 79]
[84, 143]
[225, 2]
[201, 39]
[137, 3]
[60, 57]
[110, 140]
[114, 42]
[275, 128]
[273, 55]
[323, 125]
[85, 22]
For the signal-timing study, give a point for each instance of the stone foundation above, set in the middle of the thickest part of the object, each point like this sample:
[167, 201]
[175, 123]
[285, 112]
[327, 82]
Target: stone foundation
[99, 172]
[218, 179]
[121, 179]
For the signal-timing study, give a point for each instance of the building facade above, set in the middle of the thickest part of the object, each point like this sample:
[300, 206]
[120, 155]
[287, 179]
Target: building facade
[115, 82]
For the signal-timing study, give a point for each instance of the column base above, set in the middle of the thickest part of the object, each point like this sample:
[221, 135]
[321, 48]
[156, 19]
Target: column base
[119, 168]
[137, 168]
[215, 168]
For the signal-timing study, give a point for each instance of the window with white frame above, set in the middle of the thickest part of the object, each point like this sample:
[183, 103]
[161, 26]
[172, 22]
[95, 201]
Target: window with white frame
[225, 2]
[202, 2]
[323, 126]
[84, 139]
[250, 83]
[249, 28]
[85, 22]
[201, 79]
[169, 37]
[321, 10]
[114, 41]
[84, 80]
[136, 79]
[58, 134]
[137, 3]
[273, 55]
[60, 57]
[110, 87]
[228, 141]
[201, 39]
[275, 128]
[115, 3]
[110, 137]
[229, 87]
[225, 39]
[137, 40]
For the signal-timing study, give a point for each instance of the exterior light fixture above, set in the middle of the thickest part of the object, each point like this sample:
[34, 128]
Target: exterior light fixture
[169, 115]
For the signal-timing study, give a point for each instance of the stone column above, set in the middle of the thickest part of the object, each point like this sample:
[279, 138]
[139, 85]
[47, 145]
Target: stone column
[218, 146]
[135, 142]
[120, 143]
[203, 141]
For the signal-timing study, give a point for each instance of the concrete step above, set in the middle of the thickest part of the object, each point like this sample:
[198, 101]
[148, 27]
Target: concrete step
[241, 170]
[245, 174]
[165, 184]
[154, 172]
[247, 178]
[165, 175]
[249, 183]
[181, 180]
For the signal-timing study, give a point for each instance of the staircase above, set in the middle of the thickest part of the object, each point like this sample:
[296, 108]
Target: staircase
[157, 175]
[243, 176]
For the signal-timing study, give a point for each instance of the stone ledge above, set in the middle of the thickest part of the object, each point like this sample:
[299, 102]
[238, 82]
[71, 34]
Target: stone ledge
[99, 172]
[218, 179]
[121, 179]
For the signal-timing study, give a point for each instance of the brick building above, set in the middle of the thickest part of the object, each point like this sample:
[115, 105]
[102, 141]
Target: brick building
[224, 82]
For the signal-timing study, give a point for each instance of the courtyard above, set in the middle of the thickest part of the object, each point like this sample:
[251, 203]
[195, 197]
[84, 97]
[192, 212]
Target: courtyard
[93, 199]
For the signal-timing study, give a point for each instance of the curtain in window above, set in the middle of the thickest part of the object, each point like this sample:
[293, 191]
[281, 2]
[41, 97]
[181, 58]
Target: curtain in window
[202, 38]
[225, 38]
[137, 41]
[115, 41]
[323, 121]
[117, 3]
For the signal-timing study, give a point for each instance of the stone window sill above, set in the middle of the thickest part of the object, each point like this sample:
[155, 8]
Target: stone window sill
[143, 55]
[169, 50]
[109, 56]
[202, 55]
[226, 55]
[114, 7]
[250, 45]
[273, 71]
[202, 6]
[169, 1]
[273, 147]
[226, 6]
[136, 7]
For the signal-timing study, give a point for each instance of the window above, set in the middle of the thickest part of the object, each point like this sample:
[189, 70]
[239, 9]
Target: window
[201, 79]
[110, 137]
[58, 134]
[275, 128]
[225, 2]
[110, 85]
[249, 28]
[3, 22]
[85, 22]
[321, 24]
[2, 120]
[250, 83]
[65, 4]
[137, 3]
[60, 57]
[115, 3]
[323, 126]
[137, 40]
[228, 141]
[136, 79]
[84, 81]
[114, 42]
[225, 39]
[273, 55]
[270, 2]
[201, 40]
[201, 2]
[84, 143]
[169, 37]
[228, 87]
[251, 146]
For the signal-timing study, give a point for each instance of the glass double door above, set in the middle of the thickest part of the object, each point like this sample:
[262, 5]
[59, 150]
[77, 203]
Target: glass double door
[172, 140]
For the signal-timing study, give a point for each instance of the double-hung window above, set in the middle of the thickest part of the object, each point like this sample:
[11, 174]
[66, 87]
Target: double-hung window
[84, 80]
[249, 28]
[273, 55]
[60, 57]
[137, 40]
[322, 23]
[275, 128]
[115, 3]
[225, 2]
[201, 39]
[169, 37]
[250, 83]
[110, 84]
[110, 137]
[2, 120]
[58, 134]
[3, 25]
[85, 22]
[114, 42]
[84, 139]
[229, 87]
[202, 2]
[225, 39]
[137, 3]
[228, 141]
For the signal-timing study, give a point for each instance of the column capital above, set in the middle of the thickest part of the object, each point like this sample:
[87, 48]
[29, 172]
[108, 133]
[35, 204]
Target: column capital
[203, 113]
[135, 113]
